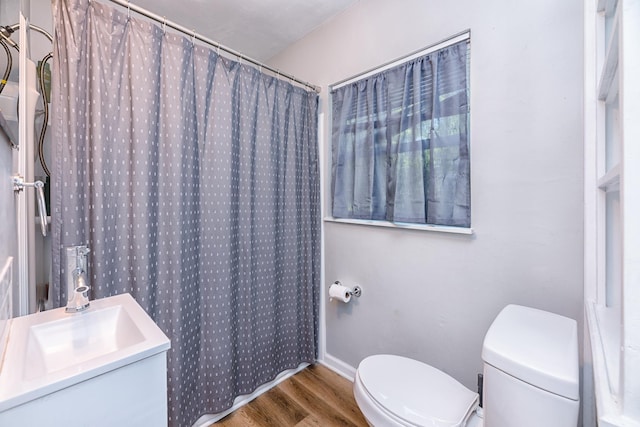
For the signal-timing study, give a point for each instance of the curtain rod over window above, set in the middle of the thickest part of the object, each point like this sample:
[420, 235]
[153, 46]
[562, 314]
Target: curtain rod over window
[464, 35]
[192, 33]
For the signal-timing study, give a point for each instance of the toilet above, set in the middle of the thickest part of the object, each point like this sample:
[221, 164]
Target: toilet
[530, 376]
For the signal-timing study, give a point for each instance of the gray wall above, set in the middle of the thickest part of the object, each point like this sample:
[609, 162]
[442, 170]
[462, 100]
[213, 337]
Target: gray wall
[432, 296]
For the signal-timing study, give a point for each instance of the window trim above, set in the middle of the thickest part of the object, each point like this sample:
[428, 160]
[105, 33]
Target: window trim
[449, 41]
[607, 75]
[402, 225]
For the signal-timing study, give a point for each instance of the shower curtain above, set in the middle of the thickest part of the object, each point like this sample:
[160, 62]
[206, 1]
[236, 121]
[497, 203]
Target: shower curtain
[194, 181]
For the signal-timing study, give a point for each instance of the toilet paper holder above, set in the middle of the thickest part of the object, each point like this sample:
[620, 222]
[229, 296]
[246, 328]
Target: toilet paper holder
[355, 292]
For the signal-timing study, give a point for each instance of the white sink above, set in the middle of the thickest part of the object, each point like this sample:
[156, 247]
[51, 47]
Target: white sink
[52, 350]
[64, 343]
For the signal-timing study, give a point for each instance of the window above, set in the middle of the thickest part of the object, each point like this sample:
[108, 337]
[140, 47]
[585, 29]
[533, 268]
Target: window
[400, 140]
[612, 202]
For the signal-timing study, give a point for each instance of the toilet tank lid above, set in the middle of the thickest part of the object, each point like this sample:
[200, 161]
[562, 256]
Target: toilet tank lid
[537, 347]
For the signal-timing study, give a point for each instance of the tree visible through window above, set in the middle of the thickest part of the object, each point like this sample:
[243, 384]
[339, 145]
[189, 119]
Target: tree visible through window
[400, 141]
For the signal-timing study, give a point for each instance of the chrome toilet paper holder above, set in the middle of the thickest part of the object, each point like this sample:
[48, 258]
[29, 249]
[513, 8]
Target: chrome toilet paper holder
[355, 292]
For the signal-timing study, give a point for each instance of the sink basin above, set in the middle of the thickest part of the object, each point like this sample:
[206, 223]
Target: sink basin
[52, 350]
[63, 343]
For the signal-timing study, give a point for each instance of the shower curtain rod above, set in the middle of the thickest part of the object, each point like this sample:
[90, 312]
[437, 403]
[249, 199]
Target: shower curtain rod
[192, 33]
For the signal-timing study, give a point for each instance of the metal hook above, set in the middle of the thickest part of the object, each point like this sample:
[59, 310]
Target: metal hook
[218, 50]
[19, 184]
[164, 24]
[128, 10]
[193, 36]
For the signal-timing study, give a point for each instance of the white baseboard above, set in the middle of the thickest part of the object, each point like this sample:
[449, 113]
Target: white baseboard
[338, 366]
[208, 419]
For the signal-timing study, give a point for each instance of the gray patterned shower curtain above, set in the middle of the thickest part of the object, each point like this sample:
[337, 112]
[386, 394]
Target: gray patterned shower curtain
[194, 180]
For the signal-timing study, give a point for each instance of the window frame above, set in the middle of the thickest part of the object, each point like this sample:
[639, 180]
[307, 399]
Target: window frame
[462, 36]
[612, 200]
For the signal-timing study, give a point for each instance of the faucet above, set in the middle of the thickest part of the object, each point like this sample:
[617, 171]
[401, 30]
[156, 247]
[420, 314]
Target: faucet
[77, 288]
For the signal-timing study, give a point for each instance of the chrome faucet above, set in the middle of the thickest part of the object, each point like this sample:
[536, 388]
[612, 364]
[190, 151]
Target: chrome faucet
[77, 288]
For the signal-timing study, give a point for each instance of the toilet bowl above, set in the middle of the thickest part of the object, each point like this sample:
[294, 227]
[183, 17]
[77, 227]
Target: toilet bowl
[420, 394]
[530, 379]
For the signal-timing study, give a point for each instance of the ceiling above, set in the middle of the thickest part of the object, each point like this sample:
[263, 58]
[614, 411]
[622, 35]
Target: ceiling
[258, 29]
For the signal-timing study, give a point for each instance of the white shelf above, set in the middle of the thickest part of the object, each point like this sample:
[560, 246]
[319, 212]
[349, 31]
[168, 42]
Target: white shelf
[607, 6]
[611, 180]
[606, 89]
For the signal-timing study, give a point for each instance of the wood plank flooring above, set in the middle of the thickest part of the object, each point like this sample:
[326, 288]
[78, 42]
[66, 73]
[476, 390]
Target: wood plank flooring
[314, 397]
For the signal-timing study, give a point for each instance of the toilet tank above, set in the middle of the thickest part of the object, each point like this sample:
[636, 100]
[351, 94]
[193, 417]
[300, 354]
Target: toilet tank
[531, 370]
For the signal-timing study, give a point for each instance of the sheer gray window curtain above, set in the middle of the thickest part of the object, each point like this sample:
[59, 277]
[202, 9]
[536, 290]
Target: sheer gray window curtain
[400, 143]
[194, 180]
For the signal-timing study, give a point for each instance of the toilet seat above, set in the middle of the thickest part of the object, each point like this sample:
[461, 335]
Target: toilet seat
[395, 390]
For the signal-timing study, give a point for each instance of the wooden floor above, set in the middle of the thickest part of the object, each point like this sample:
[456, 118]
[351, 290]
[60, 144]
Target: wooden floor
[315, 397]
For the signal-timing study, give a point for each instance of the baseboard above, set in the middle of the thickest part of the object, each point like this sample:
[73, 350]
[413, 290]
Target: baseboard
[338, 366]
[208, 419]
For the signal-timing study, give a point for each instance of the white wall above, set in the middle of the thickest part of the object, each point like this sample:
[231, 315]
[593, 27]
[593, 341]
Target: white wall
[432, 296]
